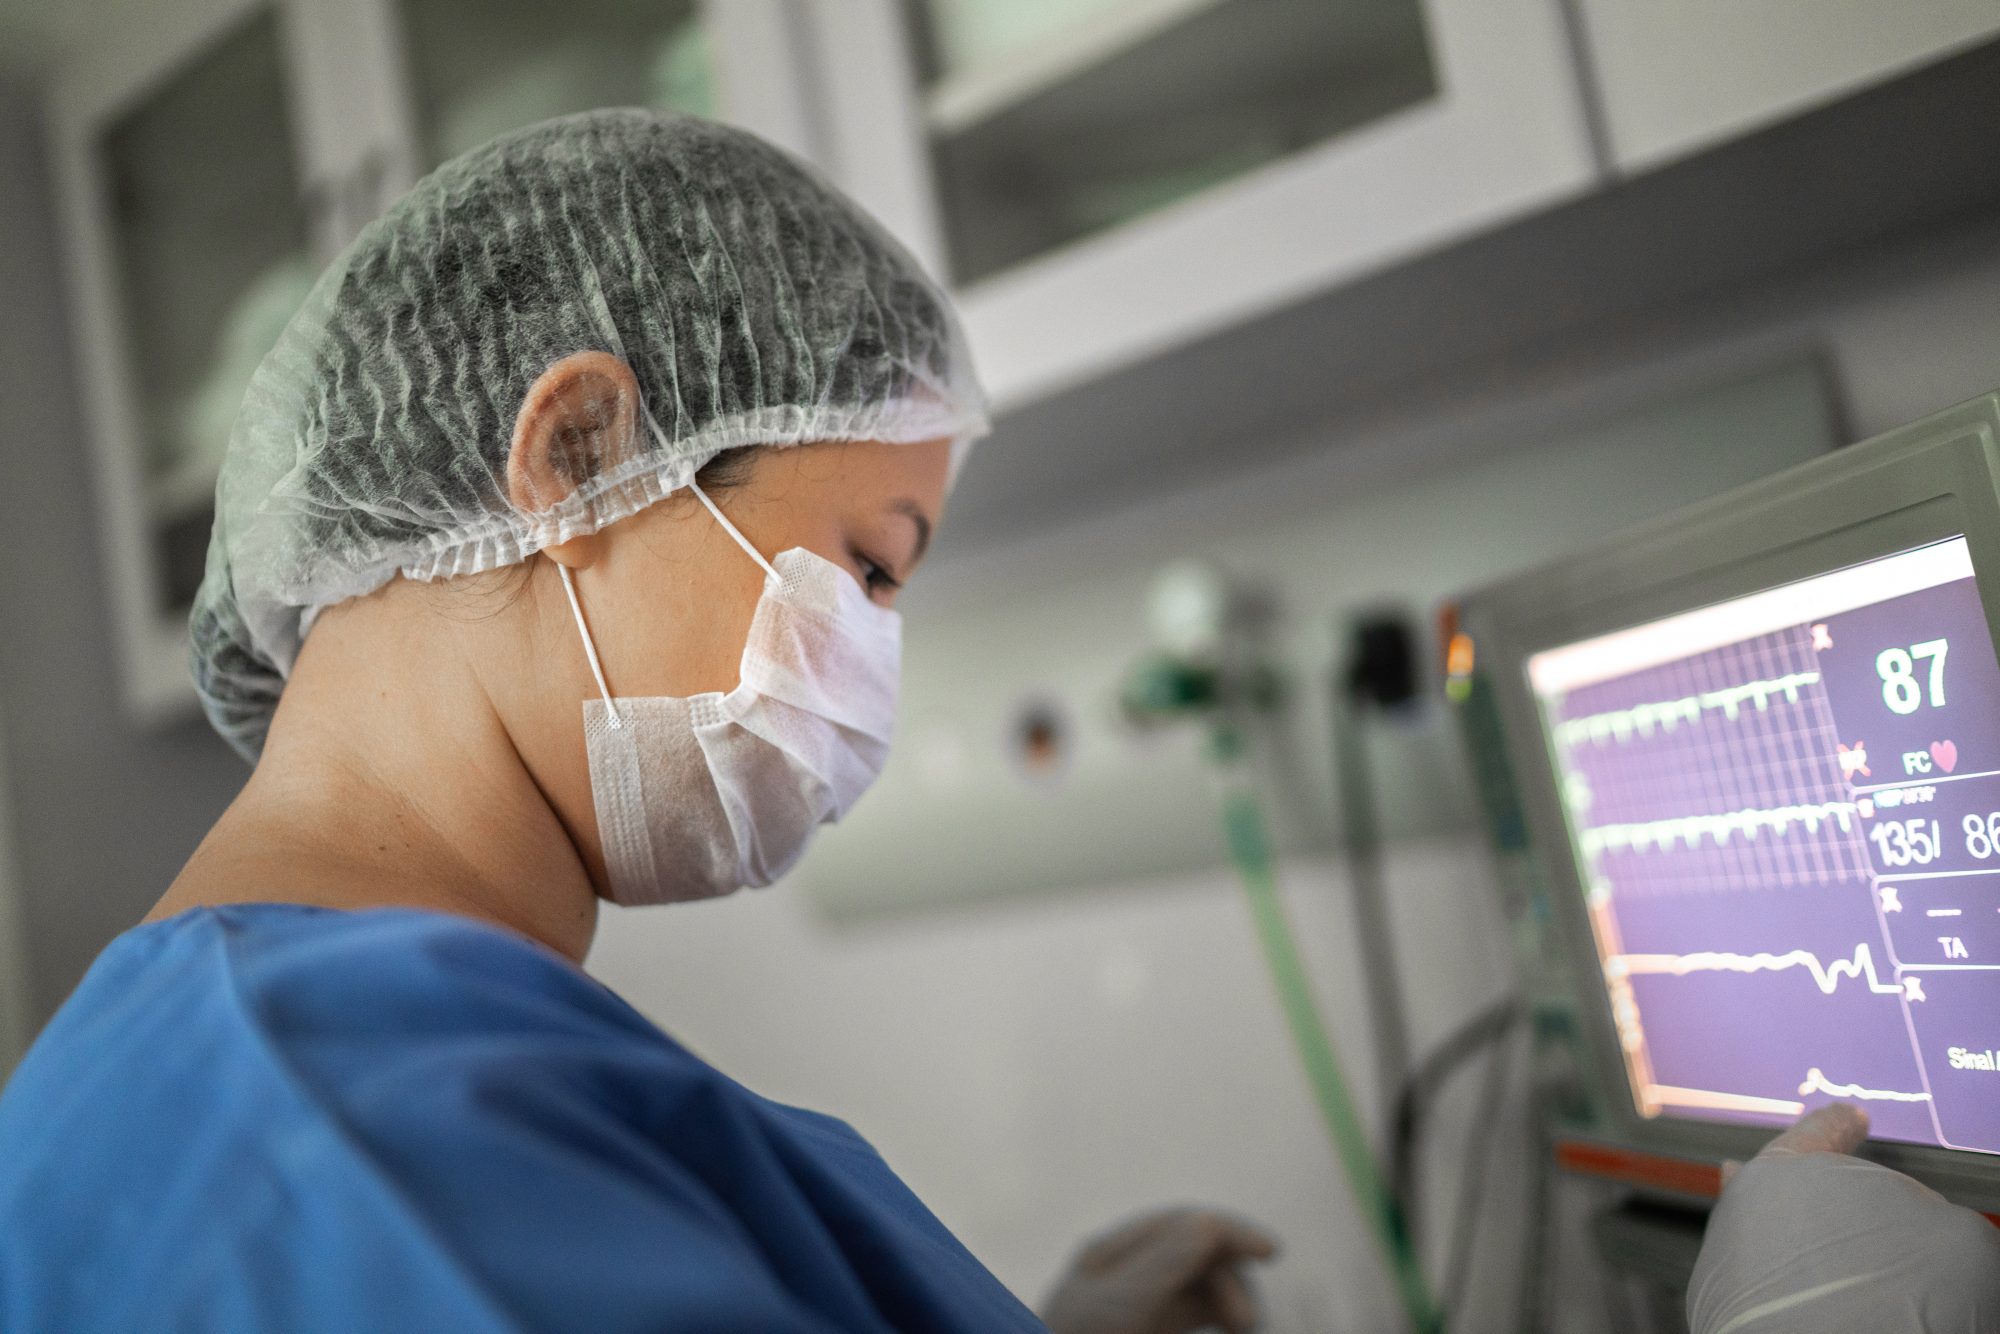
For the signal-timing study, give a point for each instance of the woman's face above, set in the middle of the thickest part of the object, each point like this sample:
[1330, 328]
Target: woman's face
[669, 595]
[667, 592]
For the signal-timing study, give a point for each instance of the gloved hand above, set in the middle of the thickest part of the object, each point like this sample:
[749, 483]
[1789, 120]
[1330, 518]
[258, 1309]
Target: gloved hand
[1161, 1273]
[1808, 1238]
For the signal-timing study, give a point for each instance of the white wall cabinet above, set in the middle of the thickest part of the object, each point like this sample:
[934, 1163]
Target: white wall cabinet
[1677, 78]
[1105, 178]
[1099, 180]
[178, 144]
[212, 155]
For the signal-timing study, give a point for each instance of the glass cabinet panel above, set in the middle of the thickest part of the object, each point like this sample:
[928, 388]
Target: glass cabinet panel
[210, 257]
[1053, 119]
[479, 68]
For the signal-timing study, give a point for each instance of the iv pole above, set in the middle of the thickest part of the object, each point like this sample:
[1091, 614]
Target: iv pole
[1377, 673]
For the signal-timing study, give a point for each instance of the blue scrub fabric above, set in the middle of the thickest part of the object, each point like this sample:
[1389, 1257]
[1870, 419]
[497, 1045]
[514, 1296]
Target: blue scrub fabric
[273, 1116]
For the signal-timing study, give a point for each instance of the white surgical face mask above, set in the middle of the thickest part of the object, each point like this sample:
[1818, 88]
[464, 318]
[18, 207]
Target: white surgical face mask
[700, 796]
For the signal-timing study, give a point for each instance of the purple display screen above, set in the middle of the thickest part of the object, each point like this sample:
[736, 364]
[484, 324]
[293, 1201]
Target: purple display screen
[1786, 812]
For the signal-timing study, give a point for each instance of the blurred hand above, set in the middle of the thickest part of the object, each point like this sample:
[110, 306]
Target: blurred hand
[1161, 1273]
[1808, 1238]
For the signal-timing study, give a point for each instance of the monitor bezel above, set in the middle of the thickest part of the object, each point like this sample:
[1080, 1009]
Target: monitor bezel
[1928, 482]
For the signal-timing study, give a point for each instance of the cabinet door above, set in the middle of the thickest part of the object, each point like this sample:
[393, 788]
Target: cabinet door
[1105, 178]
[180, 185]
[354, 119]
[1677, 78]
[479, 68]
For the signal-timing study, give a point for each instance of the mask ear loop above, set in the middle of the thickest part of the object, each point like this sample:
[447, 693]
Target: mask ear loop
[730, 528]
[576, 608]
[589, 649]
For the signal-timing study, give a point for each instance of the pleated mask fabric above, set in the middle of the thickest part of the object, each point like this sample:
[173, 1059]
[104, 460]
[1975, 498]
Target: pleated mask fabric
[702, 795]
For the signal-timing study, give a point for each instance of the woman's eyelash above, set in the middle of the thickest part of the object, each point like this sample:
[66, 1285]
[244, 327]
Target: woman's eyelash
[876, 576]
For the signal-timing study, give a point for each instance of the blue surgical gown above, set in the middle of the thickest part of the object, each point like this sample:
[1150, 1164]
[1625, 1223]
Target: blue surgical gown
[273, 1116]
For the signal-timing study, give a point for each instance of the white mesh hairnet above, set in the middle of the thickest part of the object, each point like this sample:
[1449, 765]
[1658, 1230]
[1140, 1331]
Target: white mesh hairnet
[754, 303]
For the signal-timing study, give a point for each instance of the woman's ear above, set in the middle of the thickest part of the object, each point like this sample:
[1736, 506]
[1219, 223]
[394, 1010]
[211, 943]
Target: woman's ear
[579, 419]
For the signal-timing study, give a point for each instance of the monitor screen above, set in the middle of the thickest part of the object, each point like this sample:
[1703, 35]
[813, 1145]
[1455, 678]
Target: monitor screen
[1786, 813]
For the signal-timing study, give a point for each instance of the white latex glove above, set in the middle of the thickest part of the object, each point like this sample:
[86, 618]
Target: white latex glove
[1161, 1273]
[1807, 1238]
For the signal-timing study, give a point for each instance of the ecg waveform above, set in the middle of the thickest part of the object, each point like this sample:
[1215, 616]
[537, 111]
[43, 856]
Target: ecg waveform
[1826, 975]
[1647, 835]
[1816, 1082]
[1665, 715]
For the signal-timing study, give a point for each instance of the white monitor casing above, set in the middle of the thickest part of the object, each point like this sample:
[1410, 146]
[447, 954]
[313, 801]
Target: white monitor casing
[1926, 482]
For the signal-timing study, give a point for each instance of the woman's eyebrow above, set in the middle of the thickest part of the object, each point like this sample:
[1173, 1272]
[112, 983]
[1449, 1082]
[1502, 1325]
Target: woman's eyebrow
[918, 517]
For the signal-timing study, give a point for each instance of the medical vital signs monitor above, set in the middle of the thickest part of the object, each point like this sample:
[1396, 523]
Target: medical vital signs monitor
[1752, 755]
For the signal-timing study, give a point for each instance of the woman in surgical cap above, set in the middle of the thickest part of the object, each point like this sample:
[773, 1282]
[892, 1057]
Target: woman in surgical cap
[556, 559]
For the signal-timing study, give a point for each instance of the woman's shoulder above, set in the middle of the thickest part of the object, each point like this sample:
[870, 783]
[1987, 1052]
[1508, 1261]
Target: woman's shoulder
[321, 1006]
[267, 1023]
[408, 1112]
[290, 969]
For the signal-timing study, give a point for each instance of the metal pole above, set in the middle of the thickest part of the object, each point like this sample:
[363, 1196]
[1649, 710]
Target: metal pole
[1362, 850]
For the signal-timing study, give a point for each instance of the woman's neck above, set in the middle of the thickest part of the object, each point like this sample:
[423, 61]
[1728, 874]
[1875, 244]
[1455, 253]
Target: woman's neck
[343, 811]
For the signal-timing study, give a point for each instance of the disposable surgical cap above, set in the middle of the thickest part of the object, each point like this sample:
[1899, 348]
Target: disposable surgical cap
[754, 303]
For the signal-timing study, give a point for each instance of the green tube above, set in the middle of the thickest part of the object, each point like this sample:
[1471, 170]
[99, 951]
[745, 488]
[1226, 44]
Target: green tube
[1244, 825]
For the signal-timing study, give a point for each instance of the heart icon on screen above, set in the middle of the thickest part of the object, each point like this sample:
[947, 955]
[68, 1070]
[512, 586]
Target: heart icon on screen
[1946, 755]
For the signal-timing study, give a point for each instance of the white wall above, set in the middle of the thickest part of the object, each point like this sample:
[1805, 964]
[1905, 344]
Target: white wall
[1916, 344]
